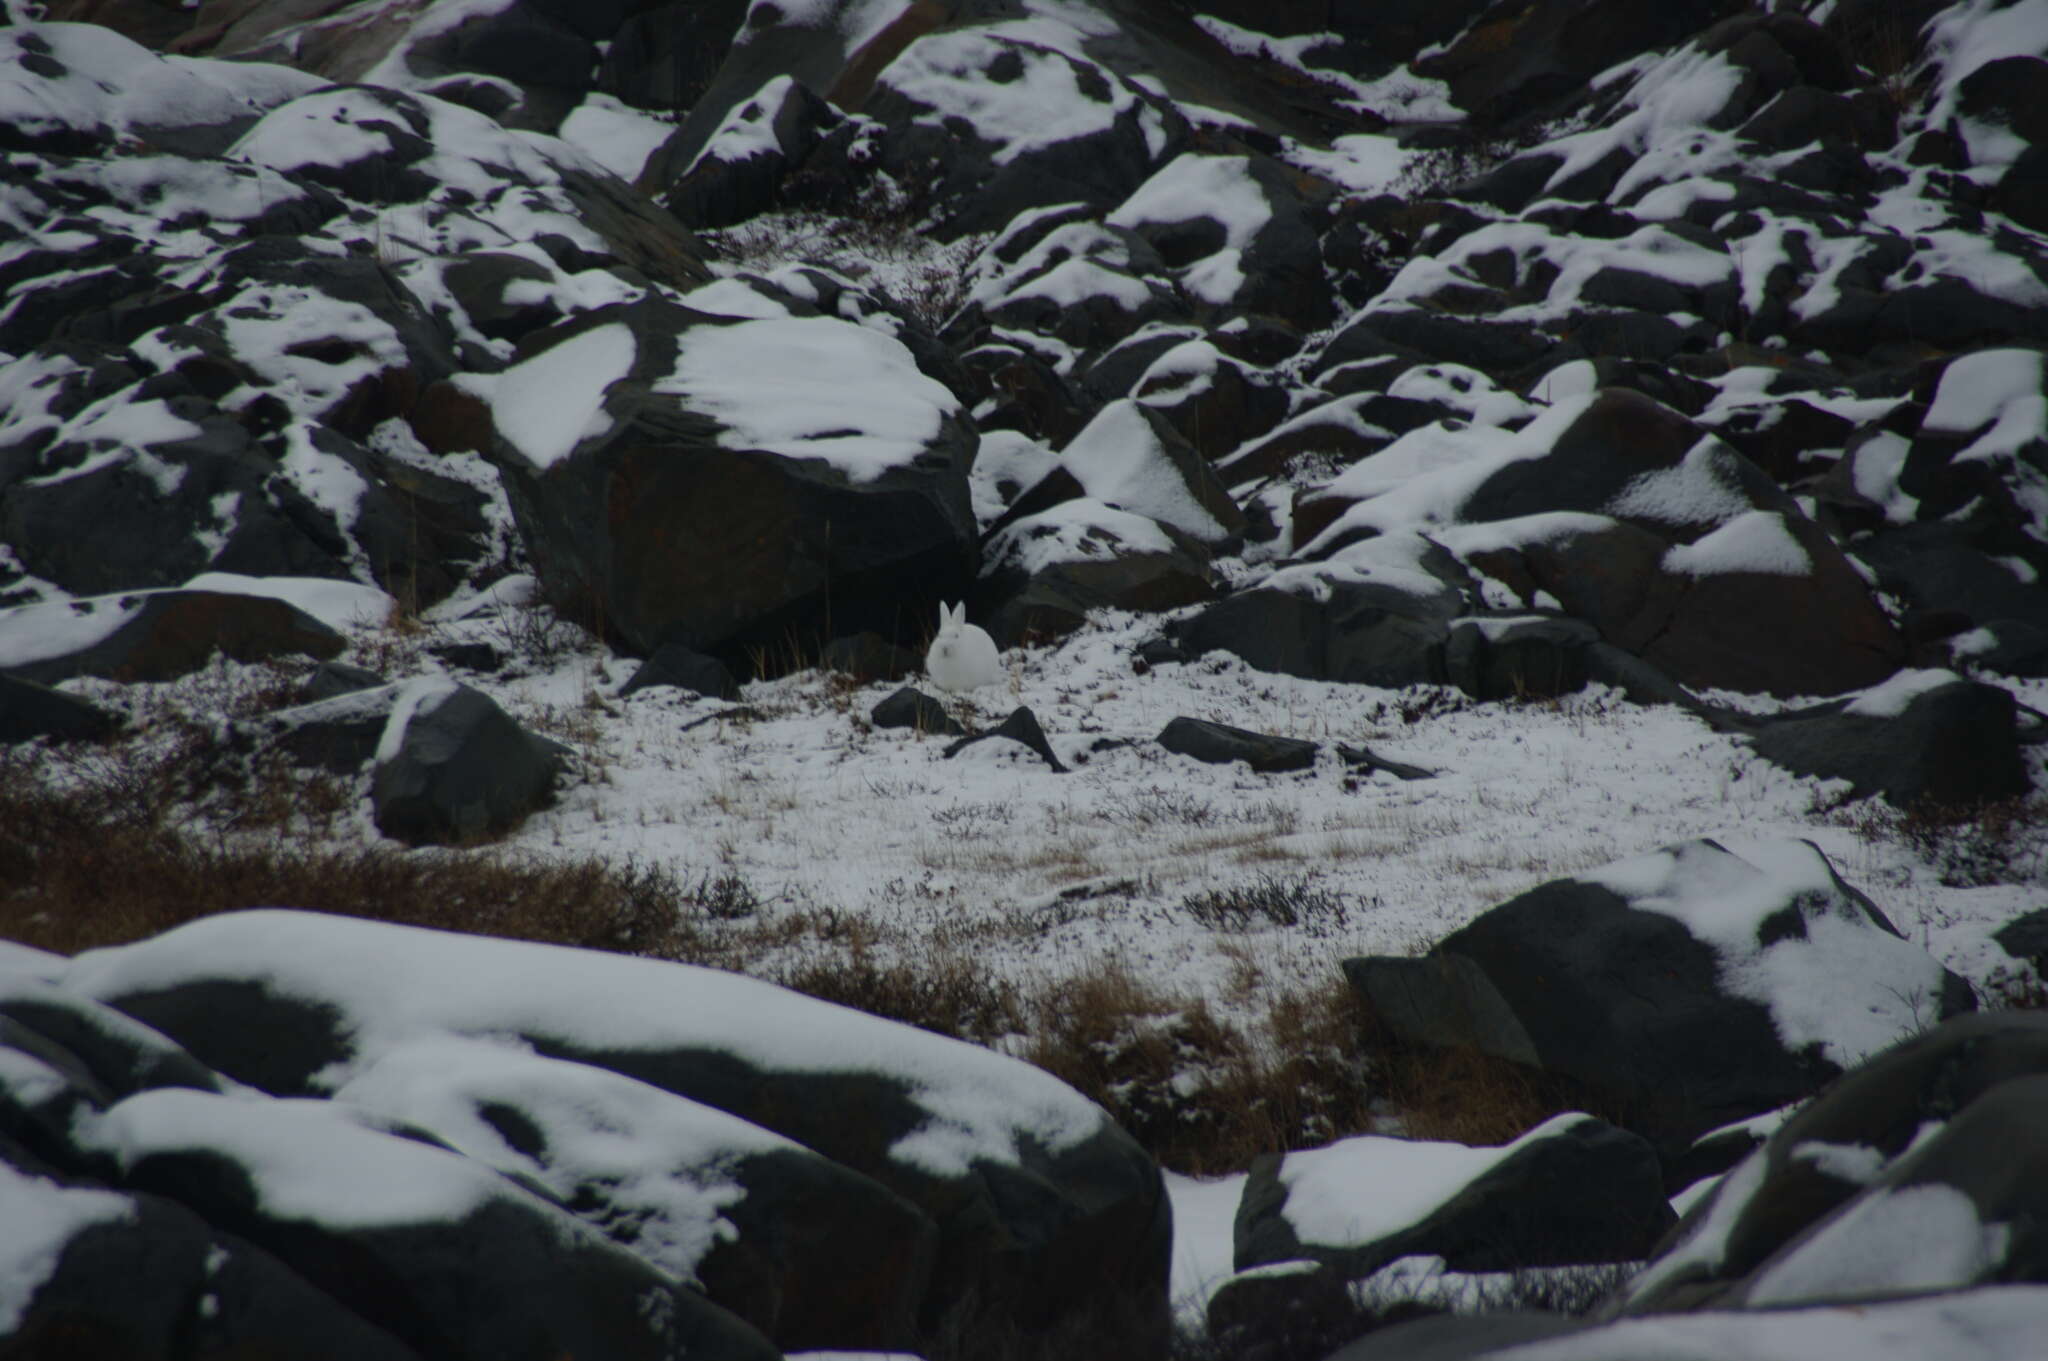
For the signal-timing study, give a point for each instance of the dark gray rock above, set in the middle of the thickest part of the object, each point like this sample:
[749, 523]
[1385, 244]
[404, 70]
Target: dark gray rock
[415, 1268]
[1459, 1337]
[481, 657]
[1575, 1190]
[778, 134]
[2026, 937]
[117, 1055]
[29, 711]
[1297, 1309]
[461, 770]
[684, 668]
[1959, 1107]
[1220, 744]
[162, 635]
[1034, 1229]
[1496, 348]
[338, 735]
[1047, 571]
[1954, 746]
[869, 657]
[725, 549]
[1518, 657]
[1615, 991]
[1021, 726]
[1363, 758]
[331, 679]
[1366, 632]
[913, 708]
[144, 1278]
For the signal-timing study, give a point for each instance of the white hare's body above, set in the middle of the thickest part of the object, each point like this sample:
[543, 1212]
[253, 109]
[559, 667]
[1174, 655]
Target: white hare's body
[963, 657]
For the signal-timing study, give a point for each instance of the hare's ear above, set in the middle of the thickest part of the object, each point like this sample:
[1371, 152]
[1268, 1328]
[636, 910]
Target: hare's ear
[955, 616]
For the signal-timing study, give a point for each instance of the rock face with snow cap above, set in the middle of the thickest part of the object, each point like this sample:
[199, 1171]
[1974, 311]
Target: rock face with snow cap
[1689, 988]
[1040, 1207]
[156, 635]
[722, 479]
[1926, 739]
[1920, 1170]
[1572, 1190]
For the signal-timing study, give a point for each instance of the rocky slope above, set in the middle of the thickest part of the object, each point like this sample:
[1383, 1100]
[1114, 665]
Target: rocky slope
[1692, 351]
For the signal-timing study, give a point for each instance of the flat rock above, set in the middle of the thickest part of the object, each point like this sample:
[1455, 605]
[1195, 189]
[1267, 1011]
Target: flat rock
[1220, 744]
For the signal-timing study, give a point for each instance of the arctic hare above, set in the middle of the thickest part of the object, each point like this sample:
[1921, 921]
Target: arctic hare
[963, 656]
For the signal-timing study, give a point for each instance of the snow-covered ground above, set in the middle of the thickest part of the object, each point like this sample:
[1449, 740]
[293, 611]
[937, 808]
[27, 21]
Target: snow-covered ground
[875, 837]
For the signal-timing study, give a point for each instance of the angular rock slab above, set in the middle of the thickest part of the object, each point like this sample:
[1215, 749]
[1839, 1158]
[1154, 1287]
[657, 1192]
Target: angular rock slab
[1703, 566]
[1573, 1190]
[1378, 614]
[1689, 988]
[1220, 744]
[1922, 1169]
[1044, 1208]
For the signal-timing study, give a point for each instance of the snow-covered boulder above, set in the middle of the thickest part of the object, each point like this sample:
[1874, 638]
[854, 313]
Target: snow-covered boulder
[738, 175]
[1239, 232]
[1572, 1190]
[726, 478]
[403, 1233]
[1048, 570]
[1920, 1170]
[156, 635]
[1688, 988]
[1042, 1207]
[132, 1274]
[1675, 548]
[1378, 613]
[1923, 738]
[991, 124]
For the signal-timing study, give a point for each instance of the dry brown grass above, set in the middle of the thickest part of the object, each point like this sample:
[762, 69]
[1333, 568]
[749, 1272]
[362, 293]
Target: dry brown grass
[1200, 1094]
[1460, 1095]
[946, 993]
[98, 847]
[84, 870]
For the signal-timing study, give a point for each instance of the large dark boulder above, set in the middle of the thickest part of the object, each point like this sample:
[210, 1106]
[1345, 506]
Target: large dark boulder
[139, 1276]
[429, 1246]
[1573, 1190]
[736, 483]
[1518, 58]
[161, 635]
[1045, 1211]
[1048, 570]
[29, 711]
[1687, 989]
[1707, 569]
[452, 767]
[1950, 745]
[1887, 1183]
[1375, 628]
